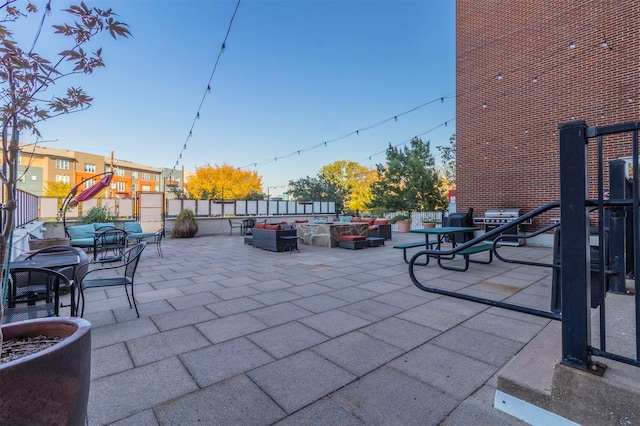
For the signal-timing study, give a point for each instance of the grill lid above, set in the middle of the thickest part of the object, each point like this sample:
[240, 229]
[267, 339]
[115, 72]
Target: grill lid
[512, 212]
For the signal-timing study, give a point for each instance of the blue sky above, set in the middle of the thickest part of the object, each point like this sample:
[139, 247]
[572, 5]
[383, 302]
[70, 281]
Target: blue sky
[294, 74]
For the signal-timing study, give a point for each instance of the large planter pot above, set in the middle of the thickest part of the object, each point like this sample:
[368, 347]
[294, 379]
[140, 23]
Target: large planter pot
[427, 225]
[404, 225]
[185, 230]
[51, 386]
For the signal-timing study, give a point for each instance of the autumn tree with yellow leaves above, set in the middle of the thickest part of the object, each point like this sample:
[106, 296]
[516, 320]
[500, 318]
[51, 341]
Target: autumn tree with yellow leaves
[224, 183]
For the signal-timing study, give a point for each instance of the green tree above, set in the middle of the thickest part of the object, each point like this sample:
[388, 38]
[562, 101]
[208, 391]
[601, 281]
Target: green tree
[223, 182]
[409, 180]
[316, 189]
[353, 182]
[448, 157]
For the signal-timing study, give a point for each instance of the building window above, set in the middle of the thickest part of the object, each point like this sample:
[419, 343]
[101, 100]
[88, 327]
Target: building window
[63, 179]
[134, 187]
[156, 178]
[146, 176]
[62, 164]
[119, 171]
[120, 186]
[107, 169]
[146, 187]
[134, 174]
[90, 168]
[88, 184]
[156, 188]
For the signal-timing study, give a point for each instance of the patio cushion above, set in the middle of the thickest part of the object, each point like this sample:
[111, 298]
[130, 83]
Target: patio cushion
[97, 226]
[381, 222]
[260, 225]
[132, 227]
[272, 227]
[351, 238]
[81, 231]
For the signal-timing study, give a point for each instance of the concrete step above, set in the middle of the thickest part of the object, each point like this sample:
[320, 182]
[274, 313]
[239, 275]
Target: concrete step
[537, 388]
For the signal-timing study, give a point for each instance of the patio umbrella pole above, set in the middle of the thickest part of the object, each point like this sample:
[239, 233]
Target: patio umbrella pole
[87, 194]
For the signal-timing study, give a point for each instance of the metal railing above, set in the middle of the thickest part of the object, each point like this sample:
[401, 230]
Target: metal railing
[616, 252]
[618, 231]
[26, 209]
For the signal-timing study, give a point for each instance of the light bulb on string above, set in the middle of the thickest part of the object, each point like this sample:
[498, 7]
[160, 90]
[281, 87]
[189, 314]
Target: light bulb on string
[396, 118]
[572, 45]
[535, 79]
[209, 88]
[198, 116]
[499, 76]
[484, 105]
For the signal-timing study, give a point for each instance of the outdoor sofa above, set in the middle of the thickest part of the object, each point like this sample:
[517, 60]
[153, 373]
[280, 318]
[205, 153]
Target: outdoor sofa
[270, 236]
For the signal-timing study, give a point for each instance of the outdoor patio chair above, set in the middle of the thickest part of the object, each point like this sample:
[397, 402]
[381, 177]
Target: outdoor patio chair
[108, 246]
[67, 271]
[234, 223]
[135, 233]
[121, 274]
[33, 293]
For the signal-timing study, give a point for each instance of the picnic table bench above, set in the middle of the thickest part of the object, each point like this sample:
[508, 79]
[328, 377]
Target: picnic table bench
[415, 244]
[468, 252]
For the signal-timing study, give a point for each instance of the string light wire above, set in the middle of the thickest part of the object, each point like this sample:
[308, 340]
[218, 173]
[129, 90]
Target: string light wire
[440, 99]
[207, 90]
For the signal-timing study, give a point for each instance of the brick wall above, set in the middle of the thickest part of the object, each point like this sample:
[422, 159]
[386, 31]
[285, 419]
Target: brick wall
[517, 78]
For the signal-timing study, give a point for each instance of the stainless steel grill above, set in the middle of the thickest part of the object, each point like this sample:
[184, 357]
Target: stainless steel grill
[494, 218]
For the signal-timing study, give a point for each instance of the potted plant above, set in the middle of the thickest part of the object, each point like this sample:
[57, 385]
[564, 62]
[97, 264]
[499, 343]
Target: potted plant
[186, 225]
[25, 76]
[403, 221]
[430, 221]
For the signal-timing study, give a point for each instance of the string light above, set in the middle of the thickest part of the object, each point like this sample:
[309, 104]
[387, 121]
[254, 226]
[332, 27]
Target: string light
[499, 76]
[355, 132]
[572, 45]
[208, 90]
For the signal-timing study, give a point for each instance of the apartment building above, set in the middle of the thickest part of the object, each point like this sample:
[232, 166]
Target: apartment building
[39, 165]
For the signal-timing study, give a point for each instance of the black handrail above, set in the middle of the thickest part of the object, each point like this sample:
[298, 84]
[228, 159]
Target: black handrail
[493, 233]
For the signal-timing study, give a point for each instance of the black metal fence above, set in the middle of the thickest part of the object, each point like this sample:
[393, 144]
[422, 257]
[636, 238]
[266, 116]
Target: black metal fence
[26, 209]
[613, 219]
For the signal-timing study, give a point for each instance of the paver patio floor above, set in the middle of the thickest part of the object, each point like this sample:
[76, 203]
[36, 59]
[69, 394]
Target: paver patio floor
[233, 335]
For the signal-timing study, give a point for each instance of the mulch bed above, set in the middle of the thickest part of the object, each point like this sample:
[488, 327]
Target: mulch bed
[20, 347]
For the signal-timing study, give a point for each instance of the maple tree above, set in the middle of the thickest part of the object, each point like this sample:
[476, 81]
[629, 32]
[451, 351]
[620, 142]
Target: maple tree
[353, 181]
[223, 183]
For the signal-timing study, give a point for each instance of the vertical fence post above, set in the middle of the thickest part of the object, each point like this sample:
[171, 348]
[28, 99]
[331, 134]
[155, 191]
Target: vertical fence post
[574, 245]
[617, 234]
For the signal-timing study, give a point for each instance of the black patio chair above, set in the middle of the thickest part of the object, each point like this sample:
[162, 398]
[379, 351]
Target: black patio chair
[104, 276]
[109, 245]
[33, 293]
[67, 271]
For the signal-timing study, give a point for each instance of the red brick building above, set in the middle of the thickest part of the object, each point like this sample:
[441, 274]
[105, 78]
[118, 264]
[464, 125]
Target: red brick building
[523, 67]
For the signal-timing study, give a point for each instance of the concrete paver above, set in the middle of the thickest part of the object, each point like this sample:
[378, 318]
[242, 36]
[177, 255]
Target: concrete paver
[229, 334]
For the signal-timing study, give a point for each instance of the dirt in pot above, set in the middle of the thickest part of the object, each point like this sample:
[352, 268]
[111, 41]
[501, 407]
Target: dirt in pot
[23, 346]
